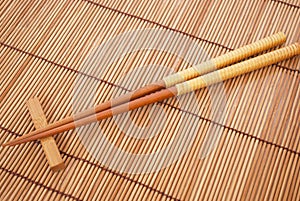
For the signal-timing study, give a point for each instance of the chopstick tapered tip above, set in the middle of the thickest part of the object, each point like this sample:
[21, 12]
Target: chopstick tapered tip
[11, 143]
[20, 140]
[6, 144]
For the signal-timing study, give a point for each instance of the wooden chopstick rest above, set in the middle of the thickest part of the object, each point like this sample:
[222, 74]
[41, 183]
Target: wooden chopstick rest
[50, 148]
[179, 89]
[169, 81]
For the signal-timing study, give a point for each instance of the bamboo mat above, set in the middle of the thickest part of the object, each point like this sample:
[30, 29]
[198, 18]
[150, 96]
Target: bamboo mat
[44, 45]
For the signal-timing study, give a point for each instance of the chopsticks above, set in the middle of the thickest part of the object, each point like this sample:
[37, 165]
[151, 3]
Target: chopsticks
[169, 81]
[179, 89]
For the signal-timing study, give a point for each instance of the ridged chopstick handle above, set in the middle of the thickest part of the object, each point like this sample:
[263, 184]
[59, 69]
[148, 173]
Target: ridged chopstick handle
[251, 49]
[226, 59]
[239, 69]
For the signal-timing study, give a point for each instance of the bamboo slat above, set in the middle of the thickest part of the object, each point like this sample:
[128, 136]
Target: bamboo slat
[44, 46]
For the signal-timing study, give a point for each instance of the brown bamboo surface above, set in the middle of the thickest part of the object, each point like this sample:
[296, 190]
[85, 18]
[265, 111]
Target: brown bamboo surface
[43, 47]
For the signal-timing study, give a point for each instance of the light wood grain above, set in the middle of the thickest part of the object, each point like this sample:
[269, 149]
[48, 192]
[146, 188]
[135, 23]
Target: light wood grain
[49, 145]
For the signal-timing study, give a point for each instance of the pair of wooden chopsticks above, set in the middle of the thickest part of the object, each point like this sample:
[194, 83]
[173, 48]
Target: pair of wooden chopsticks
[177, 84]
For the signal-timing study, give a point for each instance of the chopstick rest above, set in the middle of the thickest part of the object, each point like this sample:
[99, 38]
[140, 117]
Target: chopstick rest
[179, 89]
[169, 81]
[50, 148]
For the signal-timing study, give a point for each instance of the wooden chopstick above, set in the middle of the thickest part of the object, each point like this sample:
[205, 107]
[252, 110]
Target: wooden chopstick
[169, 81]
[179, 89]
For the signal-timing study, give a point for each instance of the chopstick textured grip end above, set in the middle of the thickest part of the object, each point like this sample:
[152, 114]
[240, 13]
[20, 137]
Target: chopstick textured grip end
[189, 73]
[249, 50]
[226, 59]
[239, 69]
